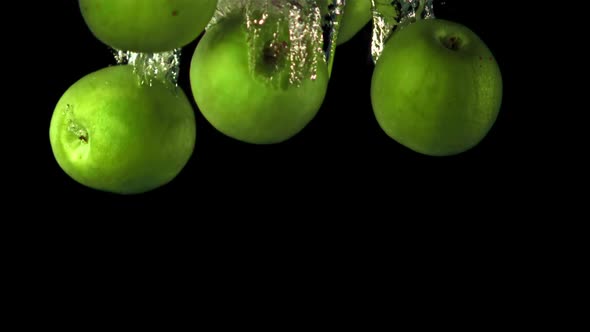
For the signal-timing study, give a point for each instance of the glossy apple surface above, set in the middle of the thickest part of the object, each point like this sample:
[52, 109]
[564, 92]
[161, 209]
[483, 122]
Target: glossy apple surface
[436, 88]
[252, 103]
[109, 133]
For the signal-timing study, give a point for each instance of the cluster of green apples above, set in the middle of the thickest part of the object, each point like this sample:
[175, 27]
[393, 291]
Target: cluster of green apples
[436, 89]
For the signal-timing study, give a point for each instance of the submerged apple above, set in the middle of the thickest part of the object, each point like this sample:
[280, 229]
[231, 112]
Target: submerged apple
[436, 88]
[248, 93]
[357, 14]
[112, 134]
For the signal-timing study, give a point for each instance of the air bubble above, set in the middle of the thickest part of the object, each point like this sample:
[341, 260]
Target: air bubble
[285, 37]
[163, 67]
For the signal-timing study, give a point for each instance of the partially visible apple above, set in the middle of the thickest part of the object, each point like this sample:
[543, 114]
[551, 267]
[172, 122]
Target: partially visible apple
[253, 102]
[109, 133]
[357, 14]
[147, 25]
[436, 88]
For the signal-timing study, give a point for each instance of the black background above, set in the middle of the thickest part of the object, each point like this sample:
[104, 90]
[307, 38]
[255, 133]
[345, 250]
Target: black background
[338, 189]
[341, 158]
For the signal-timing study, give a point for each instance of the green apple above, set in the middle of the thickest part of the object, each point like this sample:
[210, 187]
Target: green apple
[110, 133]
[147, 25]
[436, 88]
[253, 101]
[357, 14]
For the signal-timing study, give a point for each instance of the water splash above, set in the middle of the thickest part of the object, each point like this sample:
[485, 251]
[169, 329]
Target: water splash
[224, 9]
[305, 34]
[285, 37]
[163, 67]
[391, 15]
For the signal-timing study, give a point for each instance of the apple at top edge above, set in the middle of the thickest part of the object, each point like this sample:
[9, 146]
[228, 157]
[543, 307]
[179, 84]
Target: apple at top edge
[436, 88]
[146, 25]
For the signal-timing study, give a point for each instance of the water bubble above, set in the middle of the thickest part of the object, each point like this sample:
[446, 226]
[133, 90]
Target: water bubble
[335, 12]
[285, 37]
[163, 67]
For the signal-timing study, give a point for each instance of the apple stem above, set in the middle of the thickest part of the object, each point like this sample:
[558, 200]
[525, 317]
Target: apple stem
[336, 12]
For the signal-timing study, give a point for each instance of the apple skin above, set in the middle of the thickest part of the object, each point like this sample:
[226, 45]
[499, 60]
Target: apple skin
[137, 137]
[240, 102]
[433, 99]
[147, 25]
[357, 14]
